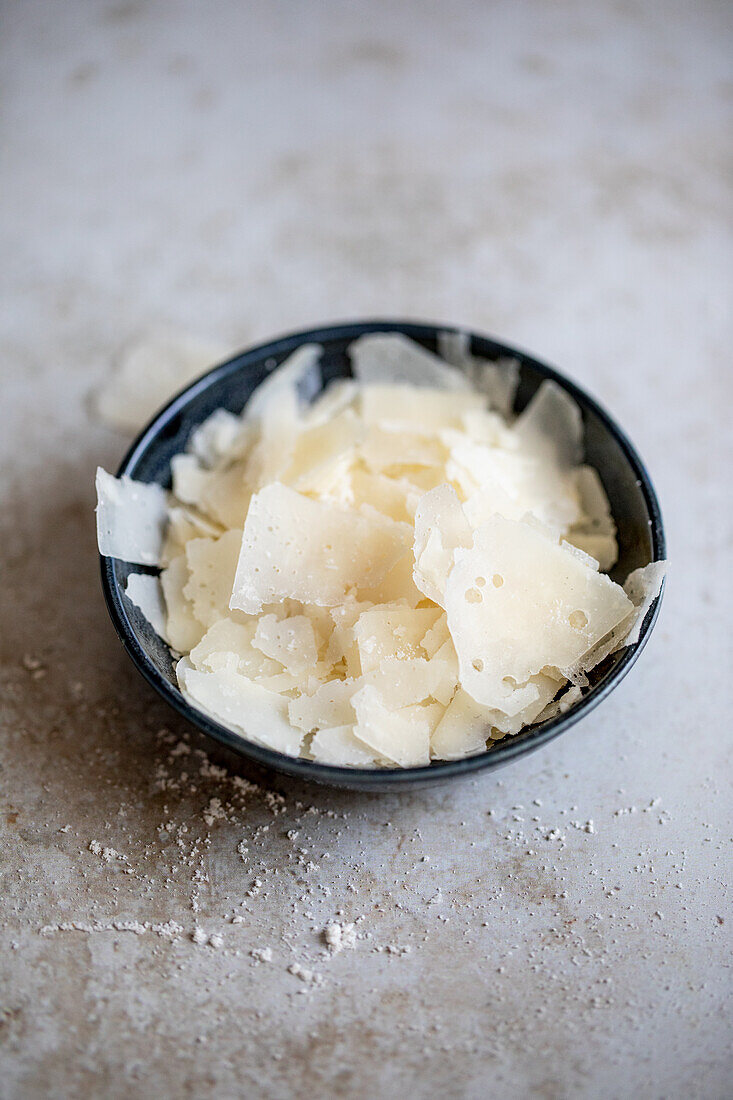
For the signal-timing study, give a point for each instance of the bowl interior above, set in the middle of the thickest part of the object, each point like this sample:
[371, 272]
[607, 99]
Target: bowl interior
[632, 498]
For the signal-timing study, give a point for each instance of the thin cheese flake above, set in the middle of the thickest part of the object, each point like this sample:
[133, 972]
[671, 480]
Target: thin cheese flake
[386, 572]
[304, 549]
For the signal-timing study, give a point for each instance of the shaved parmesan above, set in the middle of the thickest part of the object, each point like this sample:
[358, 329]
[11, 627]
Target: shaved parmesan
[183, 629]
[516, 603]
[290, 641]
[297, 379]
[440, 528]
[497, 379]
[462, 731]
[329, 705]
[401, 736]
[144, 592]
[642, 587]
[211, 564]
[339, 746]
[392, 574]
[131, 519]
[297, 547]
[393, 359]
[241, 705]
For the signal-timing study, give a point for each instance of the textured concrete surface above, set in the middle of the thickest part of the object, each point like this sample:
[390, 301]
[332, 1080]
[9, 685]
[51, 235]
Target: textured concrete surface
[554, 173]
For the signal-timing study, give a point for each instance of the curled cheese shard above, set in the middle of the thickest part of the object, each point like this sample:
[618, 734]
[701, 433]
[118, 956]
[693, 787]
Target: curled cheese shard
[295, 381]
[517, 602]
[551, 427]
[301, 548]
[145, 592]
[440, 527]
[642, 587]
[391, 358]
[241, 705]
[131, 519]
[497, 379]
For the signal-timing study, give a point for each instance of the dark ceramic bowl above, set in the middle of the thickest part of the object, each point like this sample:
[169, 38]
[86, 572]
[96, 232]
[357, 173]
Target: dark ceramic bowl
[633, 502]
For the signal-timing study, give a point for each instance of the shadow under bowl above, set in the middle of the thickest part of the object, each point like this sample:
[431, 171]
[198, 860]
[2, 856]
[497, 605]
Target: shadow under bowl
[633, 503]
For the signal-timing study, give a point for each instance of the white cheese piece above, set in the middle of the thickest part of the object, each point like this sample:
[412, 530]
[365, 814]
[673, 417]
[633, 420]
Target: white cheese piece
[462, 731]
[228, 644]
[227, 494]
[560, 706]
[445, 662]
[436, 637]
[186, 523]
[223, 494]
[387, 495]
[149, 372]
[594, 501]
[602, 548]
[401, 682]
[301, 548]
[329, 705]
[290, 641]
[497, 379]
[551, 427]
[222, 436]
[397, 586]
[340, 394]
[421, 410]
[189, 478]
[391, 630]
[401, 736]
[440, 527]
[275, 408]
[394, 359]
[212, 564]
[317, 449]
[339, 746]
[516, 602]
[131, 519]
[642, 587]
[514, 483]
[241, 705]
[483, 426]
[384, 449]
[144, 591]
[581, 555]
[594, 531]
[182, 627]
[296, 381]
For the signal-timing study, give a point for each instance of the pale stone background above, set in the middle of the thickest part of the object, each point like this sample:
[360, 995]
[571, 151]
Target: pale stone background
[555, 173]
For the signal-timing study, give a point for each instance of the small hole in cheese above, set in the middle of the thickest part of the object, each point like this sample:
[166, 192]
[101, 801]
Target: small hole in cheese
[578, 619]
[477, 664]
[497, 580]
[473, 596]
[481, 581]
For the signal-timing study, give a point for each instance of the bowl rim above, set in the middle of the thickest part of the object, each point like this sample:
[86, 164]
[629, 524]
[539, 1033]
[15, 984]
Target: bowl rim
[504, 751]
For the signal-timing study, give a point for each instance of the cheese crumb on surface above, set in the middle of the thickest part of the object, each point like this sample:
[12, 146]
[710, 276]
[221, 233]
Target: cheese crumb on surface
[385, 573]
